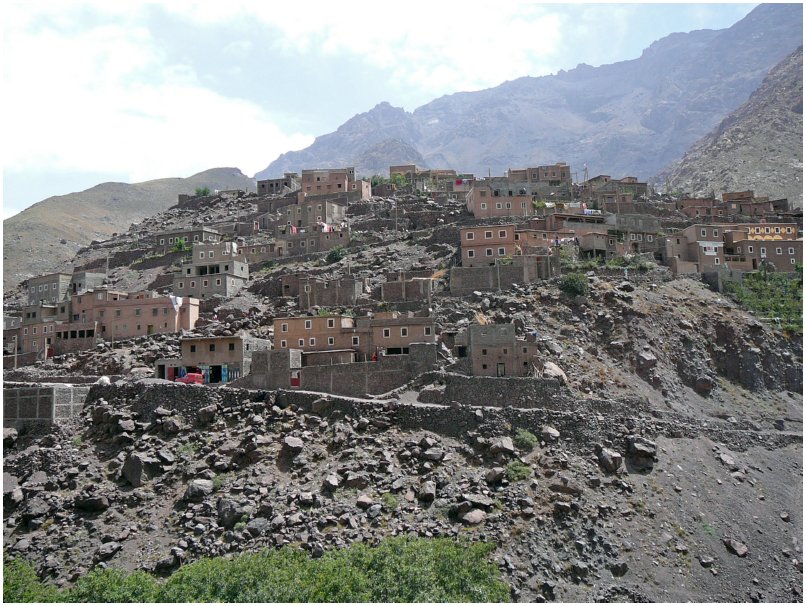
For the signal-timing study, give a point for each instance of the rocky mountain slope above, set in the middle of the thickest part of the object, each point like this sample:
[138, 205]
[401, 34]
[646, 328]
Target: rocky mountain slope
[643, 485]
[632, 117]
[44, 236]
[759, 146]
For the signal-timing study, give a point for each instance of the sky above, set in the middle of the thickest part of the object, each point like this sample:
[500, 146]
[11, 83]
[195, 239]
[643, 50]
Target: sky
[131, 91]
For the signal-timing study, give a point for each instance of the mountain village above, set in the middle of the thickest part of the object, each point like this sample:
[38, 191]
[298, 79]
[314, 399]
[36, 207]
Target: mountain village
[500, 232]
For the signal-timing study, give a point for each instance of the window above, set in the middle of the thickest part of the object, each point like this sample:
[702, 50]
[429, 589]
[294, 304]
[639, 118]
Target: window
[283, 343]
[471, 253]
[498, 205]
[649, 238]
[488, 235]
[632, 236]
[210, 254]
[117, 313]
[33, 343]
[763, 250]
[716, 261]
[502, 233]
[193, 283]
[40, 288]
[356, 340]
[33, 331]
[386, 333]
[331, 323]
[778, 251]
[162, 241]
[46, 286]
[489, 252]
[739, 250]
[502, 252]
[218, 281]
[789, 230]
[470, 235]
[331, 340]
[192, 349]
[484, 352]
[301, 342]
[212, 346]
[154, 311]
[25, 331]
[404, 331]
[791, 251]
[716, 233]
[427, 331]
[181, 285]
[702, 233]
[312, 341]
[231, 347]
[308, 324]
[792, 261]
[205, 283]
[33, 289]
[483, 206]
[749, 249]
[777, 230]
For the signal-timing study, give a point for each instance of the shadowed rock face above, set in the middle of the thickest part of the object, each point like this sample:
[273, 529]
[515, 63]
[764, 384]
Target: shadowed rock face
[632, 117]
[759, 146]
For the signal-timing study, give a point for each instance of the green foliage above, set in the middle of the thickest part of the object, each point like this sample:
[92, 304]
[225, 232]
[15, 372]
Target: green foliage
[180, 246]
[220, 479]
[377, 180]
[21, 584]
[525, 440]
[113, 585]
[574, 284]
[517, 471]
[772, 295]
[398, 180]
[390, 501]
[335, 255]
[400, 569]
[202, 191]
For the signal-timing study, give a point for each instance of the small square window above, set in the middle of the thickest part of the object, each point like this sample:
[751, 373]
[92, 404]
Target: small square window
[502, 233]
[212, 346]
[301, 342]
[427, 330]
[404, 332]
[488, 235]
[386, 333]
[231, 347]
[469, 235]
[283, 327]
[489, 252]
[331, 340]
[312, 341]
[471, 253]
[192, 349]
[331, 322]
[308, 324]
[356, 340]
[484, 352]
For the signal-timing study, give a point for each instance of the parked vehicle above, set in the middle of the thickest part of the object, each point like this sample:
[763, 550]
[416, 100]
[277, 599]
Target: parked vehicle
[191, 377]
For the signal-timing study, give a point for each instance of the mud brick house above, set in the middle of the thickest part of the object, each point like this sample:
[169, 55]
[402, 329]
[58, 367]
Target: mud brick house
[11, 333]
[701, 248]
[166, 240]
[292, 241]
[220, 359]
[318, 182]
[48, 288]
[483, 245]
[213, 270]
[520, 269]
[288, 183]
[552, 174]
[625, 234]
[311, 291]
[498, 198]
[495, 351]
[384, 333]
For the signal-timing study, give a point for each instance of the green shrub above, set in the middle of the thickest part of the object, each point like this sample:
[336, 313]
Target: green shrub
[390, 501]
[202, 191]
[113, 585]
[574, 284]
[517, 471]
[22, 584]
[400, 569]
[525, 440]
[335, 255]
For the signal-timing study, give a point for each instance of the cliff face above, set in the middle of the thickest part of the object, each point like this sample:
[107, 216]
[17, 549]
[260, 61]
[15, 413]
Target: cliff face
[759, 146]
[632, 117]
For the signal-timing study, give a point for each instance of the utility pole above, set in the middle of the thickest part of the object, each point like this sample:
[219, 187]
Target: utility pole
[15, 351]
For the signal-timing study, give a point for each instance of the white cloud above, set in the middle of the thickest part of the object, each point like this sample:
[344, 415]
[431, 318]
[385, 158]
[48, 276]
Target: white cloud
[103, 98]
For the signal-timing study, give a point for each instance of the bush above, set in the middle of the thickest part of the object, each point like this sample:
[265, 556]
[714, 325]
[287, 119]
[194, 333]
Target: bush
[400, 569]
[390, 501]
[21, 584]
[112, 585]
[335, 255]
[574, 284]
[517, 471]
[202, 191]
[525, 440]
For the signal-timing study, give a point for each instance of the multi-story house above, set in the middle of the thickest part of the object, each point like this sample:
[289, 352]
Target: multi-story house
[166, 240]
[213, 270]
[323, 182]
[219, 359]
[48, 288]
[483, 245]
[495, 351]
[288, 183]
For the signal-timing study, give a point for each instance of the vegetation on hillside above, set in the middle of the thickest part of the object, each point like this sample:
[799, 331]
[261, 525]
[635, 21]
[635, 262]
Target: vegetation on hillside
[399, 569]
[773, 296]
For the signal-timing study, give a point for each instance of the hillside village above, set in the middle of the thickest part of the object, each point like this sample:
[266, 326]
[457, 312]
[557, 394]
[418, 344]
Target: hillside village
[366, 350]
[175, 273]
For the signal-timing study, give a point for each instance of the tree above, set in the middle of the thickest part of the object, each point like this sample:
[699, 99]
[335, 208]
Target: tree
[203, 191]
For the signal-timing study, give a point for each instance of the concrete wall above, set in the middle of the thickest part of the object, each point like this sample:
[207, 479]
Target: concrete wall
[41, 404]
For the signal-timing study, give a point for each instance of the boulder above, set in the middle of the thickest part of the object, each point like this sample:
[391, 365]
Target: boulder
[735, 547]
[9, 437]
[293, 445]
[229, 512]
[552, 371]
[207, 414]
[198, 489]
[364, 501]
[504, 445]
[549, 434]
[609, 460]
[473, 517]
[647, 360]
[107, 550]
[428, 491]
[433, 454]
[133, 470]
[332, 482]
[91, 502]
[495, 475]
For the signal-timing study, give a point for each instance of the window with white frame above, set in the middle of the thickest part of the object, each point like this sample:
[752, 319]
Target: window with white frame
[778, 250]
[427, 331]
[283, 343]
[471, 253]
[331, 340]
[308, 324]
[331, 323]
[301, 342]
[356, 340]
[404, 331]
[312, 341]
[502, 233]
[469, 235]
[791, 251]
[488, 235]
[387, 333]
[489, 252]
[502, 252]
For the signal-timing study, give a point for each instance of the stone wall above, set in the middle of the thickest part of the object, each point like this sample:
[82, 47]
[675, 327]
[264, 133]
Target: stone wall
[27, 405]
[465, 280]
[520, 392]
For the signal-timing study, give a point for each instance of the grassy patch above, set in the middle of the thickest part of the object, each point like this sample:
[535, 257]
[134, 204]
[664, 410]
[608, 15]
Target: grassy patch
[400, 569]
[517, 471]
[772, 295]
[525, 440]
